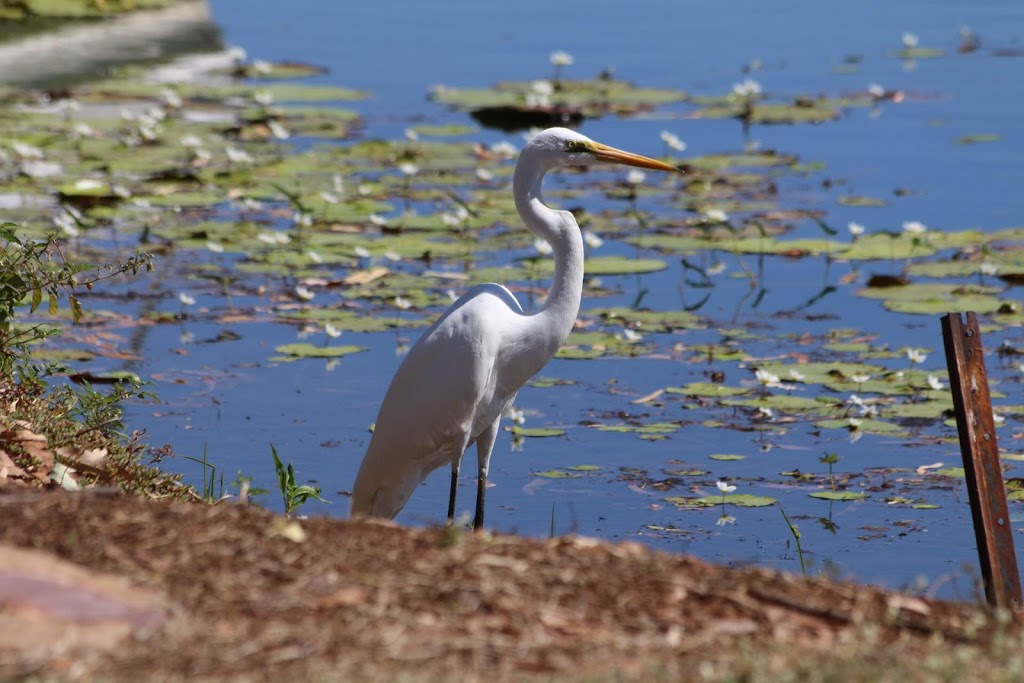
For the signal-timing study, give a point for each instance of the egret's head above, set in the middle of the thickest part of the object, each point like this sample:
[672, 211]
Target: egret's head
[564, 147]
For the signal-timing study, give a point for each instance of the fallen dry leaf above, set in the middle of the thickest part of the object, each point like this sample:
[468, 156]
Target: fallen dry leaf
[361, 277]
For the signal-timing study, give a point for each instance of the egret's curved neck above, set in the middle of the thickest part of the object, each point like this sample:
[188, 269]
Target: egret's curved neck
[555, 320]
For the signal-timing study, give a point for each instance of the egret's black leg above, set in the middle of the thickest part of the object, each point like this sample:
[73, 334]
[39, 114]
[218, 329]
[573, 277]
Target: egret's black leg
[481, 492]
[484, 445]
[454, 489]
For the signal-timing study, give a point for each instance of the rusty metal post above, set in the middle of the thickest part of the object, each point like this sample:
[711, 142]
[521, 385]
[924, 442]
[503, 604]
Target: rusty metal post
[972, 403]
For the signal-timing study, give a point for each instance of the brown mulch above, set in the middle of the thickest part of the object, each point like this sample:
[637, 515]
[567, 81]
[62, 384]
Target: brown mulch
[237, 593]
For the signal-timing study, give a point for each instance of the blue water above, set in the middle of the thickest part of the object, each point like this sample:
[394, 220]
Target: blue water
[234, 406]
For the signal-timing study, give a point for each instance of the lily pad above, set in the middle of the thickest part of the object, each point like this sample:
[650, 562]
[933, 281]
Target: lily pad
[306, 350]
[839, 495]
[743, 500]
[537, 432]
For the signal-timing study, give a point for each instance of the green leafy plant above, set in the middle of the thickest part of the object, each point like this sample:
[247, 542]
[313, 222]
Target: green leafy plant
[830, 459]
[213, 490]
[292, 493]
[33, 270]
[796, 537]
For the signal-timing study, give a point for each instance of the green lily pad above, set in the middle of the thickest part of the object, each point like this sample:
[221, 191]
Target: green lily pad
[609, 265]
[653, 428]
[537, 432]
[584, 468]
[858, 200]
[306, 350]
[707, 390]
[556, 474]
[977, 138]
[743, 500]
[727, 456]
[838, 495]
[693, 472]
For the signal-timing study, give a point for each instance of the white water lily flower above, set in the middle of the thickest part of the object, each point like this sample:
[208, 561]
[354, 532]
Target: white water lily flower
[542, 246]
[504, 149]
[315, 257]
[672, 141]
[854, 423]
[716, 216]
[81, 129]
[392, 256]
[411, 135]
[402, 303]
[916, 355]
[561, 58]
[998, 419]
[408, 169]
[186, 299]
[191, 141]
[278, 130]
[766, 379]
[635, 177]
[170, 98]
[330, 197]
[631, 336]
[855, 400]
[875, 90]
[915, 227]
[361, 252]
[859, 379]
[988, 269]
[364, 190]
[483, 175]
[515, 414]
[856, 229]
[238, 156]
[725, 520]
[304, 293]
[935, 383]
[766, 412]
[261, 66]
[725, 487]
[591, 240]
[377, 220]
[332, 331]
[25, 150]
[909, 39]
[797, 376]
[215, 247]
[747, 88]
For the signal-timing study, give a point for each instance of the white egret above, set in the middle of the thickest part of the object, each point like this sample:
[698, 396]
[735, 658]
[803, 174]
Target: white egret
[458, 379]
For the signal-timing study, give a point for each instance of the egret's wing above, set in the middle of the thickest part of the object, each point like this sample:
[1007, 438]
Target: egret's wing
[428, 415]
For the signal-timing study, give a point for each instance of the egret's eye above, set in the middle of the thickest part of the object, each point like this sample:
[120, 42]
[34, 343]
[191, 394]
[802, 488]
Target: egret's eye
[575, 146]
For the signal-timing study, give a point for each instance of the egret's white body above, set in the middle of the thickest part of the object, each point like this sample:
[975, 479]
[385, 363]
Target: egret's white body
[458, 379]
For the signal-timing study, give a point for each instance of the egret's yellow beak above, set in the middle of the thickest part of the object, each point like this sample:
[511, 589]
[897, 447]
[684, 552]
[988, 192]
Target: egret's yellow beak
[618, 156]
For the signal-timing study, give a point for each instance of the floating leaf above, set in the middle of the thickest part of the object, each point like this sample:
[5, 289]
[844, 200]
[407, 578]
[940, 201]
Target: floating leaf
[306, 350]
[727, 456]
[537, 432]
[556, 474]
[839, 495]
[977, 138]
[743, 500]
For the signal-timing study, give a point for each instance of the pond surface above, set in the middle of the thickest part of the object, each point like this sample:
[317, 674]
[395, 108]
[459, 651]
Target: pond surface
[940, 147]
